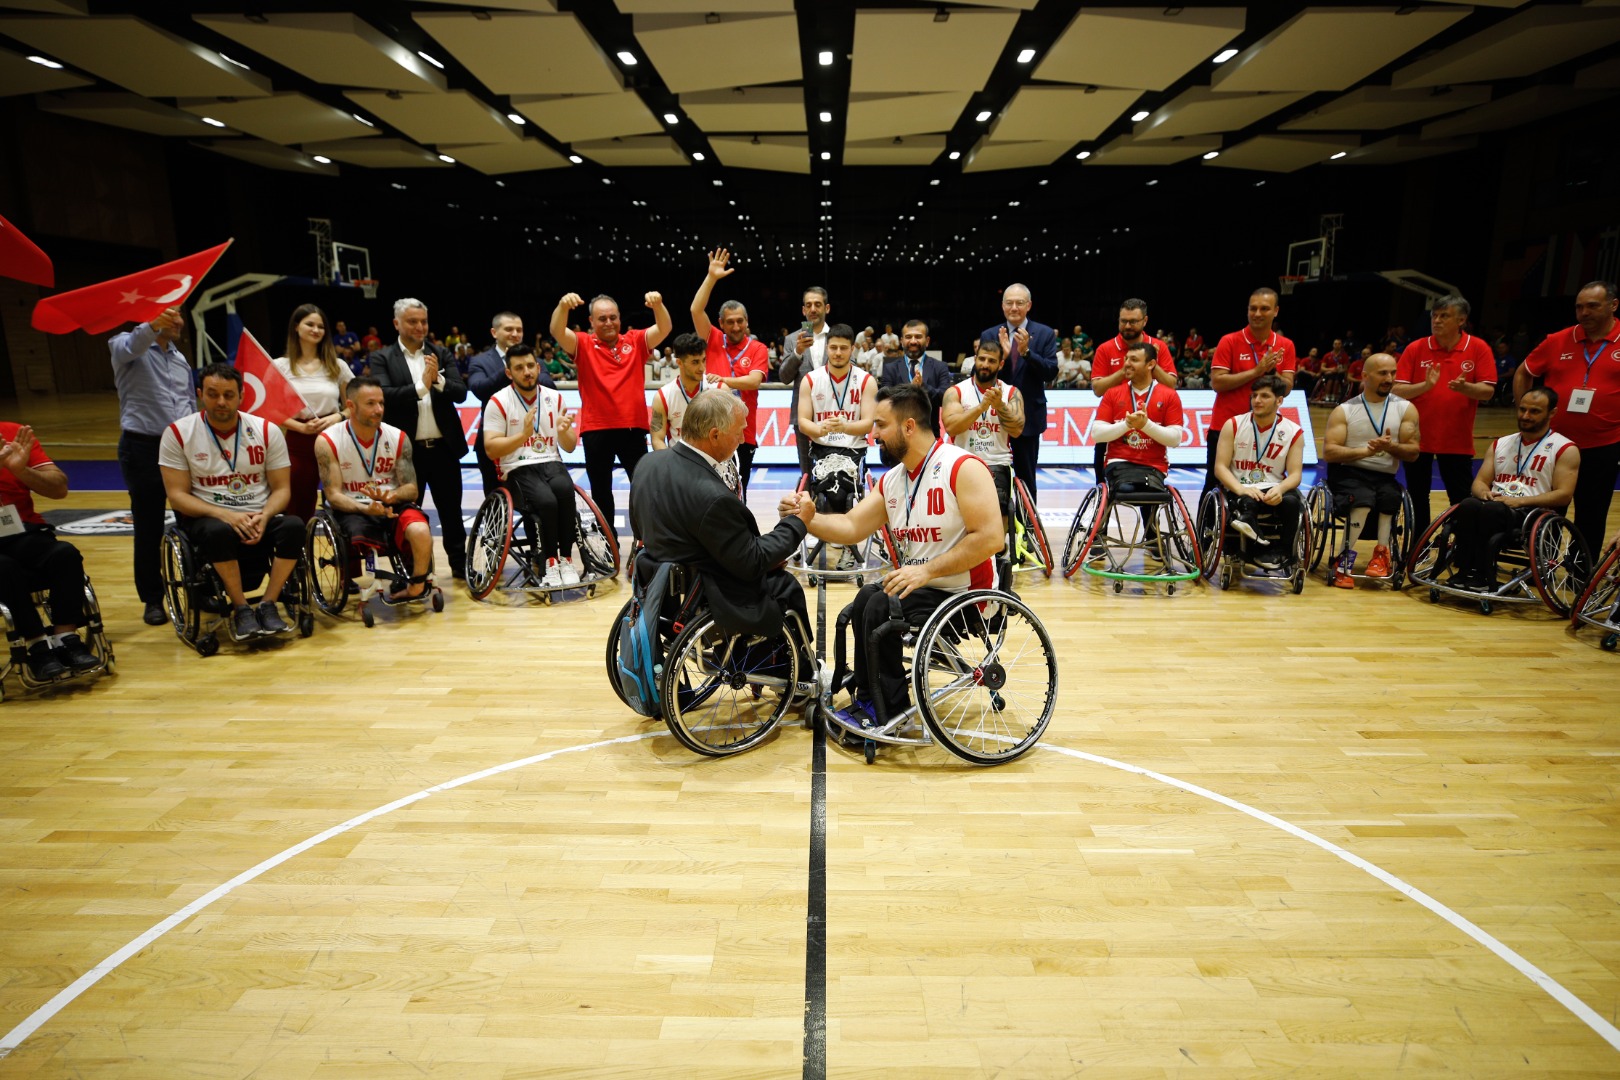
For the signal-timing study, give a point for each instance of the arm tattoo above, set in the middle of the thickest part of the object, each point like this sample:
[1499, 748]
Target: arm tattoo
[404, 471]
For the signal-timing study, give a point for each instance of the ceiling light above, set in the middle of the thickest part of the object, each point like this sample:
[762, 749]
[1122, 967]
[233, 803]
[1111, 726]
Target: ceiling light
[1013, 203]
[606, 180]
[955, 154]
[238, 63]
[627, 58]
[941, 15]
[1026, 56]
[824, 183]
[826, 117]
[1044, 183]
[1259, 183]
[362, 119]
[43, 62]
[516, 118]
[576, 159]
[1150, 183]
[1140, 115]
[697, 155]
[211, 122]
[984, 115]
[825, 56]
[397, 186]
[430, 59]
[1224, 55]
[719, 183]
[323, 160]
[671, 118]
[1082, 155]
[1337, 156]
[447, 159]
[1212, 155]
[933, 183]
[826, 155]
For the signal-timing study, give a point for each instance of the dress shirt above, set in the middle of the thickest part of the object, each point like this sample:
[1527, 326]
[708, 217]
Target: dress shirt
[426, 426]
[153, 380]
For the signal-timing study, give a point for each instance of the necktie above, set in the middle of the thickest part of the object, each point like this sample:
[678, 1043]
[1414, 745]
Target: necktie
[1012, 350]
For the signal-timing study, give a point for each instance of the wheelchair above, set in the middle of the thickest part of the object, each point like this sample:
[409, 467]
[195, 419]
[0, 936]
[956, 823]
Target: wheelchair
[333, 557]
[721, 693]
[1103, 538]
[982, 672]
[196, 601]
[1599, 604]
[1544, 558]
[1230, 556]
[1328, 530]
[93, 633]
[835, 481]
[1027, 546]
[500, 556]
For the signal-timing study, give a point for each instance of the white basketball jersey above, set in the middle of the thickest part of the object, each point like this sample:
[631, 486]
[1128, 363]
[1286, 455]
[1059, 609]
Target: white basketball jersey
[1261, 457]
[675, 400]
[229, 470]
[1365, 423]
[985, 439]
[829, 398]
[367, 468]
[1517, 469]
[924, 517]
[503, 418]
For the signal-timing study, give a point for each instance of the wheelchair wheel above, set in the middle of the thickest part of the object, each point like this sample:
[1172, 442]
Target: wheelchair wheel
[1088, 519]
[598, 543]
[1212, 512]
[1025, 511]
[1560, 564]
[984, 674]
[327, 553]
[1319, 511]
[178, 570]
[1400, 541]
[613, 651]
[1433, 552]
[488, 543]
[1184, 533]
[724, 693]
[1304, 538]
[1597, 601]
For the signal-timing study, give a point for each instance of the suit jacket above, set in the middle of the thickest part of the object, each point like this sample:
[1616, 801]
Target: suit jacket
[1036, 368]
[684, 513]
[486, 375]
[388, 367]
[936, 375]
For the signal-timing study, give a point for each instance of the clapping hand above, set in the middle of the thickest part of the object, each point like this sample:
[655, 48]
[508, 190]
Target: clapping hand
[1021, 337]
[430, 372]
[1137, 420]
[1431, 376]
[14, 455]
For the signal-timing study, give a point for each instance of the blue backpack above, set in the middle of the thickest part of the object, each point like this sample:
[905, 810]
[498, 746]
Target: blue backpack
[641, 653]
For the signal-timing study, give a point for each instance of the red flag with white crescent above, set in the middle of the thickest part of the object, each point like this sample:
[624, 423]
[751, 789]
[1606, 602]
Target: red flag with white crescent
[96, 309]
[266, 392]
[20, 257]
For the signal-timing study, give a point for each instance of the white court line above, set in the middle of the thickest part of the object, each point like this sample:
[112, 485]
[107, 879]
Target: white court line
[14, 1038]
[1607, 1031]
[40, 1016]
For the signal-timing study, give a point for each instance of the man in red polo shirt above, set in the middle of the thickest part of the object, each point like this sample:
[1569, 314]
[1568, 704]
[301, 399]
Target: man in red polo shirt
[1241, 358]
[1108, 360]
[612, 387]
[1583, 365]
[1139, 420]
[1446, 375]
[735, 360]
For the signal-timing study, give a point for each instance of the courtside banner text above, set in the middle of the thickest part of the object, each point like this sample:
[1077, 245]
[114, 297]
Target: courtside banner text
[1066, 441]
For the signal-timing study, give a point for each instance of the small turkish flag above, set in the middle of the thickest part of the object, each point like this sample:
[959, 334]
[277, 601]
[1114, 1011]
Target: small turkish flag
[95, 309]
[266, 392]
[21, 259]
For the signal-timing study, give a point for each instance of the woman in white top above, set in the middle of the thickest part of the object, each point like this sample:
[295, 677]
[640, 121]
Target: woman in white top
[312, 366]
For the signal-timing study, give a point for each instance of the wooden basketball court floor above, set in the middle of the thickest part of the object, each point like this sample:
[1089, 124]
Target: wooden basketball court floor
[1343, 834]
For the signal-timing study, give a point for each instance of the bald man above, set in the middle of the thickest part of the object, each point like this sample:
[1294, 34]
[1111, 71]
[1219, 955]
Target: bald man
[1031, 352]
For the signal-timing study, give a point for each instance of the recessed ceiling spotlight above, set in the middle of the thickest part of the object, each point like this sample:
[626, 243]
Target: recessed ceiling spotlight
[1337, 156]
[447, 159]
[955, 155]
[671, 118]
[45, 62]
[1082, 155]
[1212, 155]
[984, 115]
[627, 58]
[516, 118]
[322, 159]
[576, 159]
[430, 59]
[232, 60]
[362, 119]
[826, 58]
[934, 182]
[1224, 55]
[1150, 183]
[698, 155]
[826, 116]
[1140, 115]
[1026, 56]
[826, 155]
[211, 122]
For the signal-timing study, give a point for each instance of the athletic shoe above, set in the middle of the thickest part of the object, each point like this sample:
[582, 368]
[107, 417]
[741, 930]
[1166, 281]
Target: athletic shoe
[245, 624]
[43, 666]
[569, 575]
[1343, 567]
[75, 655]
[850, 560]
[271, 620]
[1243, 526]
[1378, 565]
[553, 576]
[154, 615]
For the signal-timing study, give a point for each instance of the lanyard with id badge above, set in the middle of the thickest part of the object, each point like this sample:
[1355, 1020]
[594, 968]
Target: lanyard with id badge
[11, 523]
[1580, 399]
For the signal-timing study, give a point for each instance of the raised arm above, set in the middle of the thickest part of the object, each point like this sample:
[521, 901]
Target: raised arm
[44, 479]
[662, 323]
[559, 323]
[700, 301]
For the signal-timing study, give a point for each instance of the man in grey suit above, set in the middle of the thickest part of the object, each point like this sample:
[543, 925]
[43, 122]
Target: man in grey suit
[685, 513]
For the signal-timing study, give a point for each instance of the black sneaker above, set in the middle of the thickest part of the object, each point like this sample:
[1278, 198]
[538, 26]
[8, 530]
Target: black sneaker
[270, 619]
[154, 615]
[43, 666]
[74, 653]
[245, 624]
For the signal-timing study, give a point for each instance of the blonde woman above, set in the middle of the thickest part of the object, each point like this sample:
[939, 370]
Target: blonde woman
[311, 364]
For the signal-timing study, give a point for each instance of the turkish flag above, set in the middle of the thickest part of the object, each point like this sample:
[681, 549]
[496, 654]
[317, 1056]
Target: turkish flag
[266, 392]
[95, 309]
[21, 259]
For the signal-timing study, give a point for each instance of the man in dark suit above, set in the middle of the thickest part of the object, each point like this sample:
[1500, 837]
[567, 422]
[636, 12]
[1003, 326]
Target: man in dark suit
[486, 377]
[685, 513]
[1031, 351]
[421, 388]
[915, 366]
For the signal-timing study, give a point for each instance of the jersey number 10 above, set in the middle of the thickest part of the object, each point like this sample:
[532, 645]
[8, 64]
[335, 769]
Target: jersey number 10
[936, 501]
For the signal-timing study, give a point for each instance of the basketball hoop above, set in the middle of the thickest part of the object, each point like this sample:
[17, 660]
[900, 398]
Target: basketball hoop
[1288, 281]
[367, 286]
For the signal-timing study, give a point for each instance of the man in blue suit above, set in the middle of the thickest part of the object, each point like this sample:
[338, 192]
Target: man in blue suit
[1031, 351]
[915, 366]
[486, 377]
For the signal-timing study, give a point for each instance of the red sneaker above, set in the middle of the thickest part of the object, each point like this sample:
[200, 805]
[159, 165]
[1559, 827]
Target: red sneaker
[1378, 565]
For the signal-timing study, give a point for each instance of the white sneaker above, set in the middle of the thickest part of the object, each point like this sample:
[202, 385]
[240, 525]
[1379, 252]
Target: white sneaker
[569, 575]
[1246, 529]
[553, 576]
